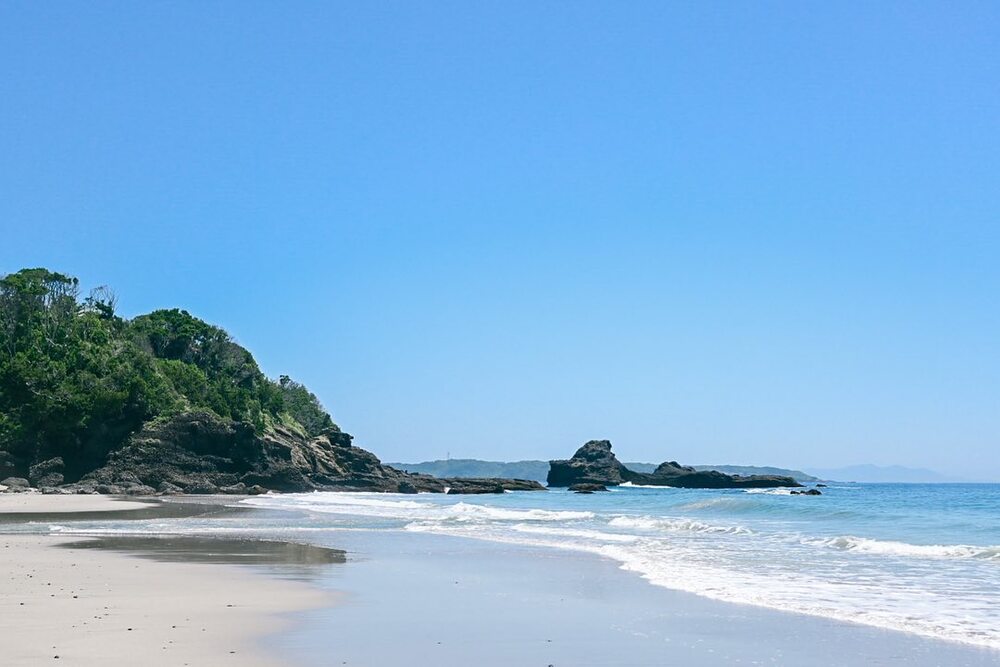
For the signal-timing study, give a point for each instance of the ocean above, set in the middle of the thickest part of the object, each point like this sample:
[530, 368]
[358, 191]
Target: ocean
[923, 559]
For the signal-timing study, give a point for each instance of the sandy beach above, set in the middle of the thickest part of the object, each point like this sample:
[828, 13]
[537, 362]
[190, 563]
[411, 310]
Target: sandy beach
[94, 607]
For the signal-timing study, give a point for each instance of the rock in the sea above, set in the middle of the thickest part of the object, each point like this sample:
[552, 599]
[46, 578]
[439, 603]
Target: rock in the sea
[808, 492]
[480, 485]
[595, 463]
[586, 487]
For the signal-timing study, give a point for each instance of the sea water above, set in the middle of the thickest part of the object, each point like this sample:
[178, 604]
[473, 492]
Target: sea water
[923, 559]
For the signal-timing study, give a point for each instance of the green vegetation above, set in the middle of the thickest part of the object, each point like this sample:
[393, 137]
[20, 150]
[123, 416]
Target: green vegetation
[76, 380]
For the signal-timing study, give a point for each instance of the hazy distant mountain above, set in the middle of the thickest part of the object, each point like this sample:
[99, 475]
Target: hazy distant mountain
[536, 470]
[872, 473]
[539, 470]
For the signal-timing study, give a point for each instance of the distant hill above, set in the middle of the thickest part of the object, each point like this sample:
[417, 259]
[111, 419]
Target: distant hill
[539, 470]
[536, 470]
[873, 473]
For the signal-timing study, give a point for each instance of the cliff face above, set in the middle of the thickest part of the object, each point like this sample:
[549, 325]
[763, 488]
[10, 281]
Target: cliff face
[164, 402]
[595, 463]
[200, 453]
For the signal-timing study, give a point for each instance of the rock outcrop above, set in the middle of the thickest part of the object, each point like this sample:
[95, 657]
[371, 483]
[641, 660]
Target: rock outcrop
[200, 453]
[587, 488]
[477, 485]
[595, 463]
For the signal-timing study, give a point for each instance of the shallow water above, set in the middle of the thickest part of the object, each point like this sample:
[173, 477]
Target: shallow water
[923, 559]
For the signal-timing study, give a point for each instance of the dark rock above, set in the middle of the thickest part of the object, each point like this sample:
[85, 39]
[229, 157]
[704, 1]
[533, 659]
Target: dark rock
[168, 489]
[82, 488]
[15, 483]
[9, 465]
[54, 491]
[201, 452]
[140, 490]
[52, 479]
[201, 488]
[808, 492]
[480, 485]
[594, 463]
[256, 490]
[586, 487]
[821, 485]
[47, 473]
[109, 489]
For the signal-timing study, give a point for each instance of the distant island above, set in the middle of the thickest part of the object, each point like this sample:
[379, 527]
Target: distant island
[594, 467]
[539, 470]
[91, 402]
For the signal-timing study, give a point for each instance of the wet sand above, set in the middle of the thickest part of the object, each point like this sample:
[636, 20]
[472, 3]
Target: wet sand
[452, 602]
[99, 606]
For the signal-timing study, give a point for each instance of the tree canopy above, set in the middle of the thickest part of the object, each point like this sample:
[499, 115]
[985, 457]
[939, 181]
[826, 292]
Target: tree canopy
[76, 379]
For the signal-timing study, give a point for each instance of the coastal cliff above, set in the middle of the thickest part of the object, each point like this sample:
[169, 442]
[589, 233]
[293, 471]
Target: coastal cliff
[91, 402]
[595, 463]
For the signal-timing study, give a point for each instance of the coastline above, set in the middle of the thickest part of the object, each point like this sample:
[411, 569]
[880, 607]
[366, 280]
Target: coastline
[397, 594]
[461, 601]
[92, 607]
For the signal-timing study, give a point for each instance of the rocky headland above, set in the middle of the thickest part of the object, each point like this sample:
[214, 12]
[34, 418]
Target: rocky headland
[595, 464]
[164, 403]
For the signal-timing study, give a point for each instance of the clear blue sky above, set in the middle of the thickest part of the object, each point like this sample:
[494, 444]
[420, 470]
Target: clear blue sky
[713, 232]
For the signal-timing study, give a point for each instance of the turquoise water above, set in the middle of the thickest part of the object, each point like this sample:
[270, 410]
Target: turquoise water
[923, 559]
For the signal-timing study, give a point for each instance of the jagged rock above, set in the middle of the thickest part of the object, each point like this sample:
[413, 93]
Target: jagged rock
[54, 491]
[168, 489]
[479, 485]
[109, 489]
[238, 489]
[47, 473]
[200, 452]
[81, 488]
[587, 488]
[594, 463]
[808, 492]
[140, 490]
[256, 490]
[201, 488]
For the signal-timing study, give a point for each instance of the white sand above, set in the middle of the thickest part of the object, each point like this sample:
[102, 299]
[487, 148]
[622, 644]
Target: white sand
[36, 503]
[92, 607]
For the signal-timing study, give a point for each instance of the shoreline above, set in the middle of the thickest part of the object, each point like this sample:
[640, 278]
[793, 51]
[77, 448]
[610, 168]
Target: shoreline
[97, 607]
[461, 600]
[454, 600]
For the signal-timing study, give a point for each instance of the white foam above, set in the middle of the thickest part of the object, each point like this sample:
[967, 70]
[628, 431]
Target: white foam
[673, 524]
[892, 548]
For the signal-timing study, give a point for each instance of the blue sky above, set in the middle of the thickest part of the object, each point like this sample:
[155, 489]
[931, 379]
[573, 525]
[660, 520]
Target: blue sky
[713, 232]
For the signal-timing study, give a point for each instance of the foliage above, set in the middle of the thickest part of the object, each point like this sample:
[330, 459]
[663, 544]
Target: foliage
[76, 379]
